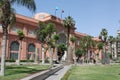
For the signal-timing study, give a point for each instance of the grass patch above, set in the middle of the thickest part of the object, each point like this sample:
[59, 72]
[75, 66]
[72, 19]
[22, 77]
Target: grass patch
[97, 72]
[15, 72]
[66, 75]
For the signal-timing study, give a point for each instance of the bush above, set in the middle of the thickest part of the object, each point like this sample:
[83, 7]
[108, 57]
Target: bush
[46, 61]
[117, 61]
[10, 60]
[26, 60]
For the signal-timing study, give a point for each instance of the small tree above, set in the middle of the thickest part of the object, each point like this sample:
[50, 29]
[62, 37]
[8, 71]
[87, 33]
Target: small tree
[41, 35]
[62, 48]
[100, 46]
[56, 38]
[44, 34]
[73, 39]
[78, 53]
[86, 43]
[21, 37]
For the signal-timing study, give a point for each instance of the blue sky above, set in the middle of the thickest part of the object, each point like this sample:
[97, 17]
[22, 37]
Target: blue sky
[90, 15]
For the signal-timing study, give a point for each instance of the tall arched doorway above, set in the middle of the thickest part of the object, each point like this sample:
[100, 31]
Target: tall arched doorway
[62, 40]
[14, 48]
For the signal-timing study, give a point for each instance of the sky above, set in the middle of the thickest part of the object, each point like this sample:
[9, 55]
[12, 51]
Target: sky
[90, 15]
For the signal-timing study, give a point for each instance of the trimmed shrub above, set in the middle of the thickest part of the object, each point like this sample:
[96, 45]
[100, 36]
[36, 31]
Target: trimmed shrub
[10, 60]
[26, 60]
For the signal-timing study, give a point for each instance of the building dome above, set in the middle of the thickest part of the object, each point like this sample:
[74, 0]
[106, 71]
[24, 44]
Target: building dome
[41, 16]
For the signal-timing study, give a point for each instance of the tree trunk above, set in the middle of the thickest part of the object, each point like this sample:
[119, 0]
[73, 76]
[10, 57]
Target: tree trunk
[51, 58]
[56, 49]
[5, 22]
[3, 56]
[106, 56]
[19, 53]
[70, 57]
[111, 50]
[104, 60]
[37, 55]
[73, 54]
[68, 46]
[87, 61]
[43, 56]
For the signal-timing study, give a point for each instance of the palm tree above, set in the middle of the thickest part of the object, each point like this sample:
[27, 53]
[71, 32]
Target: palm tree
[104, 36]
[21, 37]
[69, 24]
[7, 17]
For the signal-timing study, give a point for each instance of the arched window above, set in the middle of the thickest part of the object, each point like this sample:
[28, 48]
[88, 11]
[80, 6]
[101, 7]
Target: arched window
[31, 51]
[14, 48]
[31, 47]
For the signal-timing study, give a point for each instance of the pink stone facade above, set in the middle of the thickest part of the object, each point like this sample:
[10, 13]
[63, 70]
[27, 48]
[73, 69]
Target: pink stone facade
[28, 25]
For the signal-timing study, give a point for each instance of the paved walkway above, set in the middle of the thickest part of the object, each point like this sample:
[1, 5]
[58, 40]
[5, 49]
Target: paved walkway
[58, 75]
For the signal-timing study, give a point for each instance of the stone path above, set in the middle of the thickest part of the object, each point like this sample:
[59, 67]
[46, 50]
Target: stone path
[58, 75]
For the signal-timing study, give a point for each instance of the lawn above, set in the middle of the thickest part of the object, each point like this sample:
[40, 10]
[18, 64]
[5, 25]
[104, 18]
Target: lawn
[94, 72]
[15, 72]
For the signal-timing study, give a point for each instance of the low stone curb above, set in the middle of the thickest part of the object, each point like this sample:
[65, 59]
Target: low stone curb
[43, 75]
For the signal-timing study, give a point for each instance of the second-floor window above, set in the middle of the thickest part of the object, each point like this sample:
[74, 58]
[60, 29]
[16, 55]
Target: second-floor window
[15, 29]
[31, 32]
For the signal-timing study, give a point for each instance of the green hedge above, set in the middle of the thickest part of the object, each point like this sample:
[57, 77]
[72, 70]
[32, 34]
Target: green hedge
[10, 60]
[26, 60]
[118, 61]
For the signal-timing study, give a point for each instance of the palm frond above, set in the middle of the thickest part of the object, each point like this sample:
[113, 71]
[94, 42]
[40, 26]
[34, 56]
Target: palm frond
[12, 18]
[30, 4]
